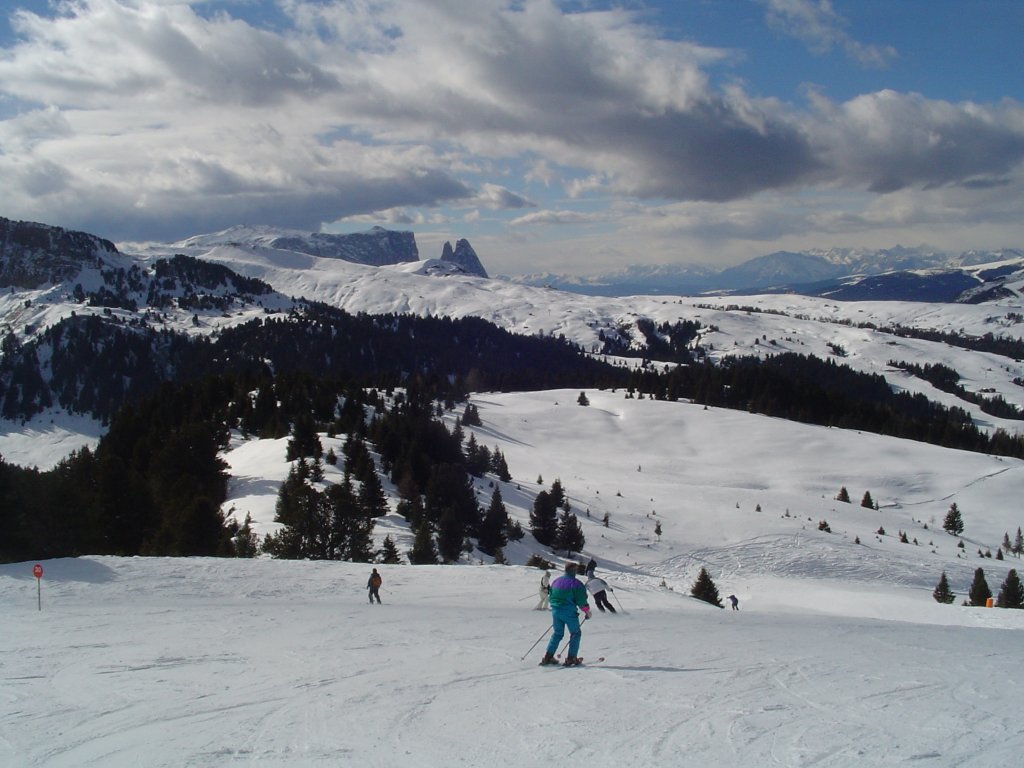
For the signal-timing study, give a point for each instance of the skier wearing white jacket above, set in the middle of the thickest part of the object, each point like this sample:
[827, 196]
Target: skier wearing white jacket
[597, 587]
[545, 588]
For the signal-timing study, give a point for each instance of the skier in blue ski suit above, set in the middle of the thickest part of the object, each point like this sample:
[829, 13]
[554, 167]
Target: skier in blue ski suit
[566, 596]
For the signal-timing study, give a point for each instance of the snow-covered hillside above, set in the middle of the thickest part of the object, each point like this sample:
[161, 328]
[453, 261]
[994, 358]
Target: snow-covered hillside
[778, 323]
[838, 655]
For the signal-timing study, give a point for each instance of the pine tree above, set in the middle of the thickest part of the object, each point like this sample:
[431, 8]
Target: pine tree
[843, 495]
[471, 416]
[867, 501]
[514, 531]
[423, 551]
[351, 523]
[304, 442]
[371, 496]
[493, 529]
[1011, 593]
[1018, 543]
[570, 536]
[558, 495]
[245, 543]
[544, 519]
[980, 591]
[451, 534]
[953, 522]
[582, 399]
[942, 593]
[499, 466]
[389, 552]
[704, 589]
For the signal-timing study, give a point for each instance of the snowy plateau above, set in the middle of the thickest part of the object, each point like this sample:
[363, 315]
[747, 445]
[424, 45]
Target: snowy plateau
[837, 656]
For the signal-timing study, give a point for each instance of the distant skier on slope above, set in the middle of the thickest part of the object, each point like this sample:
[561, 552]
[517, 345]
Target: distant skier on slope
[599, 589]
[567, 594]
[735, 602]
[591, 567]
[373, 584]
[545, 588]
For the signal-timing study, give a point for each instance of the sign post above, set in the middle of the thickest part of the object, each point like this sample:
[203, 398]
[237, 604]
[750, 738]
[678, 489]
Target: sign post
[37, 571]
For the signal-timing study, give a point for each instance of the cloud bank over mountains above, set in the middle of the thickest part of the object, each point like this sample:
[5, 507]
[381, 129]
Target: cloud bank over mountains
[138, 119]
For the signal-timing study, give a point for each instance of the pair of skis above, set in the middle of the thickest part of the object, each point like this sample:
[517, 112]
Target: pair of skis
[581, 663]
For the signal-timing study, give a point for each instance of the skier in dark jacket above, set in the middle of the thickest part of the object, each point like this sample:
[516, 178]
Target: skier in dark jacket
[374, 586]
[567, 595]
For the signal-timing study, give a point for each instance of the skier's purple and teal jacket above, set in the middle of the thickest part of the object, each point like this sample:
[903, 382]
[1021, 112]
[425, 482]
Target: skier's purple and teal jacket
[567, 591]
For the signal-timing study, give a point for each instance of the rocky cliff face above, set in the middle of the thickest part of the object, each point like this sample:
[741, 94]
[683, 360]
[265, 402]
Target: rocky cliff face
[375, 248]
[33, 255]
[464, 256]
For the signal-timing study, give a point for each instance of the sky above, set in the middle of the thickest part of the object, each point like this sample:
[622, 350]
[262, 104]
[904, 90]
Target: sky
[570, 136]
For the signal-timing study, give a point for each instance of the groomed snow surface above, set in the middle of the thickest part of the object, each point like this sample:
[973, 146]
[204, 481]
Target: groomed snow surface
[838, 655]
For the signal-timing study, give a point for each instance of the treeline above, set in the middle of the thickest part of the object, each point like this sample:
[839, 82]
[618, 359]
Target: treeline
[155, 484]
[94, 365]
[808, 389]
[947, 379]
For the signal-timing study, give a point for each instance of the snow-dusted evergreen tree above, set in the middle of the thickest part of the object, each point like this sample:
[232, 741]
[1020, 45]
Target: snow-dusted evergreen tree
[867, 501]
[1018, 543]
[583, 399]
[843, 495]
[942, 592]
[1011, 593]
[704, 589]
[953, 522]
[980, 591]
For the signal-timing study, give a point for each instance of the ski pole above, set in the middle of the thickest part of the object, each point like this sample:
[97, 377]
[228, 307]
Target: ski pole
[617, 601]
[538, 641]
[526, 598]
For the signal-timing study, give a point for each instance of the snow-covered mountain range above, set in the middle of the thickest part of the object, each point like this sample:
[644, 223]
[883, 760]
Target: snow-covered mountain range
[910, 274]
[839, 656]
[257, 277]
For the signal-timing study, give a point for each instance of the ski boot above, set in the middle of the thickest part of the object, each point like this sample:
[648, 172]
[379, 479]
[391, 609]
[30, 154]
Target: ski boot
[572, 661]
[548, 660]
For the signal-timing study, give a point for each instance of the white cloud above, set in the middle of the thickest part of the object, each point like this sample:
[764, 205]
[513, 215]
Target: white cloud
[821, 28]
[163, 119]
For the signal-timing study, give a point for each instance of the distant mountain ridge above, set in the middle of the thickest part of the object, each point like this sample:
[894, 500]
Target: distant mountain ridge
[377, 247]
[911, 274]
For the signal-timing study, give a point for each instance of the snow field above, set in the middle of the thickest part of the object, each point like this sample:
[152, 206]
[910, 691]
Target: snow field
[165, 662]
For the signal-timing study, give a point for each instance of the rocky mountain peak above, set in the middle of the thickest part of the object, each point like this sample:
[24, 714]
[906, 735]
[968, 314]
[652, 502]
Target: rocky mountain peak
[464, 256]
[33, 255]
